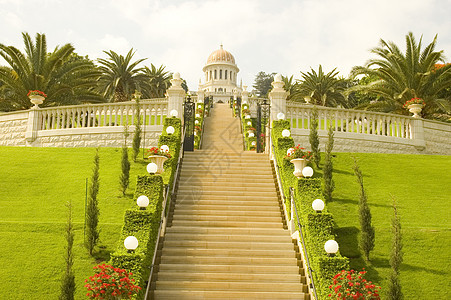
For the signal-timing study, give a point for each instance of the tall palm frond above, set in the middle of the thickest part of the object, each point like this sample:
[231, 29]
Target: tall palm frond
[405, 76]
[65, 77]
[159, 81]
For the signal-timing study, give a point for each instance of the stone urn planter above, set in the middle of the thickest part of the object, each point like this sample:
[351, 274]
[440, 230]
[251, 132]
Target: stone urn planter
[415, 109]
[299, 164]
[159, 161]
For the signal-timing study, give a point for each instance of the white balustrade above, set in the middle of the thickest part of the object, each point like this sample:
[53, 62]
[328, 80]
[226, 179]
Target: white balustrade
[351, 121]
[152, 112]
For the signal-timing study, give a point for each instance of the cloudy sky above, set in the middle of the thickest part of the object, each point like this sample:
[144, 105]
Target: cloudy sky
[272, 36]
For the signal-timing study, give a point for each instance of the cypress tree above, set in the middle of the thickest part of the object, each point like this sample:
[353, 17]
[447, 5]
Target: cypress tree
[124, 178]
[329, 184]
[138, 131]
[367, 230]
[394, 286]
[92, 213]
[314, 138]
[68, 280]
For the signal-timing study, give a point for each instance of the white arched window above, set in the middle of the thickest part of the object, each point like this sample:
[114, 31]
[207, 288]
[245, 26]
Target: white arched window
[225, 74]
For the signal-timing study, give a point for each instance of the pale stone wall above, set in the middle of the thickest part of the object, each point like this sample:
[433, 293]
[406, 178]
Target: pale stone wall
[438, 137]
[12, 129]
[94, 137]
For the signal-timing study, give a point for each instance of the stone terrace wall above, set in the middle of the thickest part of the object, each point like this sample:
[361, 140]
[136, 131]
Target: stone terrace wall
[438, 137]
[12, 129]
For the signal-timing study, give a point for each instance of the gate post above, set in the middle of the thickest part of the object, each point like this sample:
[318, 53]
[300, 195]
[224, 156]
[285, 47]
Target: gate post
[278, 97]
[175, 94]
[188, 124]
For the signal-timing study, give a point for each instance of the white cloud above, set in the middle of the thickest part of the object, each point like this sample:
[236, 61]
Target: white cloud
[118, 44]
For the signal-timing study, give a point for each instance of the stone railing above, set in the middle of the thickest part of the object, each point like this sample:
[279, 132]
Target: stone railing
[365, 131]
[88, 125]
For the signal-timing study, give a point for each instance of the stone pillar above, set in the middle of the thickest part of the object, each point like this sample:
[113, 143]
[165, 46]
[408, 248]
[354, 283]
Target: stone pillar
[200, 93]
[33, 124]
[278, 98]
[418, 134]
[176, 95]
[244, 95]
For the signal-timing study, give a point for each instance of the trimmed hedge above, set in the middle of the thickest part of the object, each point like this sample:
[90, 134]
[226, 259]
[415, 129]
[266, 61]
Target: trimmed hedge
[317, 227]
[199, 110]
[144, 224]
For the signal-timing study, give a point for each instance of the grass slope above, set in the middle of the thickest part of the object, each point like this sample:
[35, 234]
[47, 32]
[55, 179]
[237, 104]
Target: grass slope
[34, 187]
[422, 187]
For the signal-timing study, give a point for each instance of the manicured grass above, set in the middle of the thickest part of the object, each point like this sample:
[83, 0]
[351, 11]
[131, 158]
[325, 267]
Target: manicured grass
[421, 186]
[35, 185]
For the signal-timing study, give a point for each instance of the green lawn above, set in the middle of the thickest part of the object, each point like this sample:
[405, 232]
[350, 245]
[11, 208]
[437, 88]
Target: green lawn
[36, 183]
[422, 187]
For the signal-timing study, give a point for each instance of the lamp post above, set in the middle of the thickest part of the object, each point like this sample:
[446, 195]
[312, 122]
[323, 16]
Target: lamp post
[331, 247]
[131, 243]
[152, 168]
[142, 202]
[307, 172]
[318, 205]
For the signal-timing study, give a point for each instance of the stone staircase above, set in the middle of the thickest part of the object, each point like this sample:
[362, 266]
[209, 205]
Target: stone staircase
[226, 237]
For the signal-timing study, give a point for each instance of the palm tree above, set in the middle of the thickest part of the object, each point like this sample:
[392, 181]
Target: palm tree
[292, 88]
[323, 89]
[405, 76]
[64, 76]
[121, 77]
[159, 81]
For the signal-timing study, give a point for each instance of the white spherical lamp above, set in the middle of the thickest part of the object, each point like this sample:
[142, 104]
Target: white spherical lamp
[286, 133]
[170, 130]
[197, 115]
[196, 122]
[318, 205]
[152, 168]
[247, 117]
[254, 143]
[174, 113]
[307, 172]
[280, 116]
[249, 123]
[164, 148]
[331, 247]
[199, 106]
[131, 243]
[142, 201]
[290, 151]
[251, 134]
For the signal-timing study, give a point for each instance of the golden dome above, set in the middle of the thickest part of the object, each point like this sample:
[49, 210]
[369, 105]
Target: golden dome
[220, 55]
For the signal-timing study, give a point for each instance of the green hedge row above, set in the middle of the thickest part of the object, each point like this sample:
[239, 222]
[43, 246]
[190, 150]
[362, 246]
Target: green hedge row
[317, 227]
[144, 224]
[198, 127]
[248, 128]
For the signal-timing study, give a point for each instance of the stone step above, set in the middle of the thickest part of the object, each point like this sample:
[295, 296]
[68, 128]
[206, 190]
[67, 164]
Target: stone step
[231, 253]
[225, 238]
[230, 188]
[230, 286]
[220, 212]
[189, 294]
[217, 268]
[226, 260]
[252, 231]
[230, 193]
[228, 245]
[221, 181]
[199, 208]
[226, 223]
[210, 176]
[248, 201]
[227, 218]
[227, 277]
[222, 172]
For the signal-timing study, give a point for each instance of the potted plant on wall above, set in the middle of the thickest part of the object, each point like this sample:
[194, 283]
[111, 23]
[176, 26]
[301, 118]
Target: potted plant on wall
[299, 157]
[415, 105]
[158, 156]
[36, 97]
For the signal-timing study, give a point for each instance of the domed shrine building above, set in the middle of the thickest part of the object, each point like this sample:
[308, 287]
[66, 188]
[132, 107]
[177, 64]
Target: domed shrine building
[220, 75]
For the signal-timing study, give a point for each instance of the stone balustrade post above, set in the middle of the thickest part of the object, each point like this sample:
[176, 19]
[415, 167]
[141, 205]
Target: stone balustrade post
[33, 125]
[418, 134]
[176, 95]
[278, 98]
[244, 95]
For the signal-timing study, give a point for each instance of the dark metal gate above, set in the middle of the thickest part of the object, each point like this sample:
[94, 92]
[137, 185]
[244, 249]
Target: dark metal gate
[263, 111]
[188, 124]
